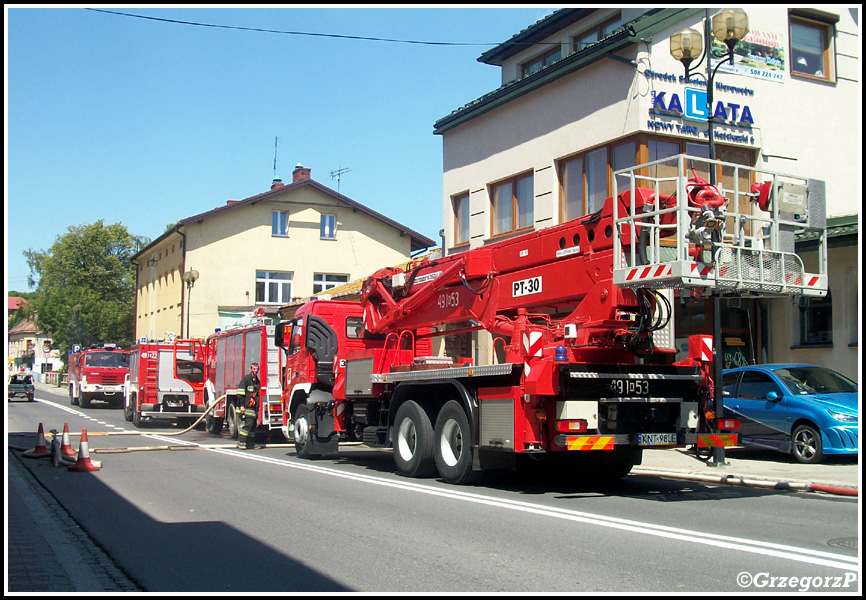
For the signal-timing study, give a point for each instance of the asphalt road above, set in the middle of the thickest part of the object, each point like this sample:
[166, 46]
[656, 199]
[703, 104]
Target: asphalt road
[223, 520]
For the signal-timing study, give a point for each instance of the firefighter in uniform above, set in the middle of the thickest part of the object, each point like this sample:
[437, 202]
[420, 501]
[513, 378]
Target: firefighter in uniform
[248, 408]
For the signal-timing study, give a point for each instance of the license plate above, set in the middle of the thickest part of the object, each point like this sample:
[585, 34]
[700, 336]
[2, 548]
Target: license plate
[657, 439]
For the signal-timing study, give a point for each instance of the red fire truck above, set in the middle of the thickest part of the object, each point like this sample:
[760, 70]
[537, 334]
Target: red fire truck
[229, 355]
[573, 312]
[97, 373]
[166, 381]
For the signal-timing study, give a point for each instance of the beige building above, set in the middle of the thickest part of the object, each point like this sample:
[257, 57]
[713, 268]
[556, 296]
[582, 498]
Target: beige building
[30, 350]
[212, 270]
[588, 91]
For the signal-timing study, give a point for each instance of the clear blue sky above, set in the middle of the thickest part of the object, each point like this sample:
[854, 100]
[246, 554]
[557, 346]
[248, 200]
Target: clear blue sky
[145, 123]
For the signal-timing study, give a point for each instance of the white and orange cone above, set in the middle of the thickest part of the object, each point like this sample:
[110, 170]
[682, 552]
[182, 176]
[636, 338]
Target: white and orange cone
[83, 464]
[41, 450]
[65, 447]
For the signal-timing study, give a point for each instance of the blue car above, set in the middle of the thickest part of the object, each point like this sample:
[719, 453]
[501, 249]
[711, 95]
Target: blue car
[804, 410]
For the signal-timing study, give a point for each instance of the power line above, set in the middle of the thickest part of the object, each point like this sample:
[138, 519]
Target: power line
[282, 32]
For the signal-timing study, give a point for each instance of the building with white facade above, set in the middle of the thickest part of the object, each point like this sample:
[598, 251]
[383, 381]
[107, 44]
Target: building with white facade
[589, 91]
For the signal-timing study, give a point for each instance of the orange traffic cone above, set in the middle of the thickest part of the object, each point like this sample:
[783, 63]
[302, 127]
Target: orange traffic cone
[41, 449]
[65, 447]
[83, 464]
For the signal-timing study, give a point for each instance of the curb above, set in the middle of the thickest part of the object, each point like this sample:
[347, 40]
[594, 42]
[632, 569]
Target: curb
[729, 479]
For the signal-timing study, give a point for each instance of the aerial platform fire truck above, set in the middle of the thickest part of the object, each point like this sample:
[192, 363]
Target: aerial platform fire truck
[166, 381]
[576, 308]
[97, 373]
[229, 355]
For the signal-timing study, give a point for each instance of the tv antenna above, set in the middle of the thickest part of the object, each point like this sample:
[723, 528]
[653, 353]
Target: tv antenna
[275, 157]
[337, 174]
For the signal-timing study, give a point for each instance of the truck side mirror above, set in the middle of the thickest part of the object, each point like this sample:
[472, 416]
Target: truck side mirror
[280, 333]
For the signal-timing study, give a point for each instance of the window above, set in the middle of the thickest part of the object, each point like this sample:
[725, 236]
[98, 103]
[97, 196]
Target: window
[757, 386]
[273, 287]
[279, 223]
[585, 179]
[460, 205]
[328, 227]
[599, 32]
[811, 43]
[513, 204]
[326, 281]
[816, 320]
[542, 61]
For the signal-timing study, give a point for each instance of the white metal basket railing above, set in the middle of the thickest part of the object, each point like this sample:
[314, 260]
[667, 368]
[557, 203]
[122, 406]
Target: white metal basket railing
[743, 246]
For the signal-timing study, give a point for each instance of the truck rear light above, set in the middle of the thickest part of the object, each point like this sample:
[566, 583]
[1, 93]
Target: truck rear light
[571, 426]
[729, 424]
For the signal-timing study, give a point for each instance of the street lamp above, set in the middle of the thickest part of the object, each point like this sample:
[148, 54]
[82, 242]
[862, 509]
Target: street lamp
[729, 27]
[190, 278]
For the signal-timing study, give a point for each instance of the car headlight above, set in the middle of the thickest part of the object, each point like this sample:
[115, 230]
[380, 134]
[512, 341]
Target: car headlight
[845, 417]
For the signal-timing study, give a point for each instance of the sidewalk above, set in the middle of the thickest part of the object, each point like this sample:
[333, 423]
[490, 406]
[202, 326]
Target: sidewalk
[763, 468]
[47, 550]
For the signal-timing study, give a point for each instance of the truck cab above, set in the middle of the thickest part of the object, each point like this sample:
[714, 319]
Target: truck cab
[98, 373]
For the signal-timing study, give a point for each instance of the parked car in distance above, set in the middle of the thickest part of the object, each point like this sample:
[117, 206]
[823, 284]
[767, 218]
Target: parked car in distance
[21, 384]
[805, 410]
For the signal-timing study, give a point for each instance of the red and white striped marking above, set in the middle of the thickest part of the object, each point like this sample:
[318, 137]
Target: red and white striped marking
[533, 343]
[701, 347]
[650, 271]
[701, 269]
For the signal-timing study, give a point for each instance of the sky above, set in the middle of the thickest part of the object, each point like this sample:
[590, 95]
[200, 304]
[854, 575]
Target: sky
[145, 122]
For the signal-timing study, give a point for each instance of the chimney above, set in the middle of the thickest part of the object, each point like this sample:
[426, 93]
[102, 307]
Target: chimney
[300, 174]
[278, 183]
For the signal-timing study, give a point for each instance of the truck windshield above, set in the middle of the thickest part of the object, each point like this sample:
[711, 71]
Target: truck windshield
[106, 360]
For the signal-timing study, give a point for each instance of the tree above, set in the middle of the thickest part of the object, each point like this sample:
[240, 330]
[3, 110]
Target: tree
[85, 292]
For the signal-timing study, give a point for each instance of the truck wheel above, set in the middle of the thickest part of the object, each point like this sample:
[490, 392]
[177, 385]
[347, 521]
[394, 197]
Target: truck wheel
[232, 418]
[413, 441]
[214, 425]
[452, 445]
[84, 401]
[806, 445]
[136, 418]
[72, 399]
[302, 432]
[127, 409]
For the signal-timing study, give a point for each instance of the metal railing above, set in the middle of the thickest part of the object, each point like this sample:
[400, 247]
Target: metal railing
[743, 244]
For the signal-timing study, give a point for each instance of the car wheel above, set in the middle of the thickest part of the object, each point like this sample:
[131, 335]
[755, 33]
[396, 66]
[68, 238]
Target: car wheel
[806, 444]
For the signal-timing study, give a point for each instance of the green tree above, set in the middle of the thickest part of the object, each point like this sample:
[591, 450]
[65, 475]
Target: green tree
[85, 293]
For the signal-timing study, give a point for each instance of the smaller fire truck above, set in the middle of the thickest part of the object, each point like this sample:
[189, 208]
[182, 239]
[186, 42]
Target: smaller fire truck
[229, 355]
[97, 373]
[166, 381]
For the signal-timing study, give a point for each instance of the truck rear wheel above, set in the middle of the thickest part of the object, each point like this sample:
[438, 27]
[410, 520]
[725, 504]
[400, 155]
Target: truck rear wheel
[128, 408]
[452, 445]
[72, 399]
[413, 441]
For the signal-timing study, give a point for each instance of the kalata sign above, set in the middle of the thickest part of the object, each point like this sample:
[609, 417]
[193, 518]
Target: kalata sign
[694, 107]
